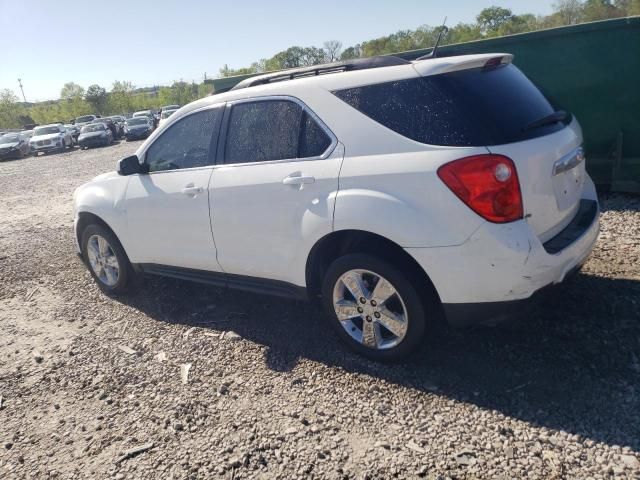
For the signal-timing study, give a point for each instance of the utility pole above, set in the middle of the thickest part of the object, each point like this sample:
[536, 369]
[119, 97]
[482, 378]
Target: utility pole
[22, 90]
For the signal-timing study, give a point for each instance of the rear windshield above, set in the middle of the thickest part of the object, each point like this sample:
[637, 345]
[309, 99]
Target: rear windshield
[474, 107]
[137, 121]
[86, 118]
[92, 127]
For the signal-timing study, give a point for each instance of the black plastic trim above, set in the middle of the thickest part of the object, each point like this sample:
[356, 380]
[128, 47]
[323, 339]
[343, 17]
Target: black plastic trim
[221, 279]
[584, 218]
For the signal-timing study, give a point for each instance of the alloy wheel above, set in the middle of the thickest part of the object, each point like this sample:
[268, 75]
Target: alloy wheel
[103, 260]
[370, 309]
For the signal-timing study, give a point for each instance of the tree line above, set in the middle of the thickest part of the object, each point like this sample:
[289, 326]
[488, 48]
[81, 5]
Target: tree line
[76, 101]
[124, 97]
[490, 22]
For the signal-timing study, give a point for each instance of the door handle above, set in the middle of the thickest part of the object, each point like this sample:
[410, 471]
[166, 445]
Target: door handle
[190, 189]
[298, 180]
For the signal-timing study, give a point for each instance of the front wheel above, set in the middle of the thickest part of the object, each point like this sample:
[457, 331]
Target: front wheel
[373, 307]
[106, 259]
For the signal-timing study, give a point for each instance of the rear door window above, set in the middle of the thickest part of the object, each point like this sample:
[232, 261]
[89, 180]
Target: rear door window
[268, 130]
[475, 107]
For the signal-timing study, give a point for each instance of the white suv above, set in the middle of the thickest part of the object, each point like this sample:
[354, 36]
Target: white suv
[395, 191]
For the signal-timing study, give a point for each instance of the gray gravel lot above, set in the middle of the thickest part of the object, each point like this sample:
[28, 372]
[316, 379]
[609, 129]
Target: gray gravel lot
[84, 378]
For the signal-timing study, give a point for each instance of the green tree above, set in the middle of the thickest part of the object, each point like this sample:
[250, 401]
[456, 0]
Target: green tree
[71, 91]
[10, 109]
[600, 10]
[97, 97]
[464, 32]
[492, 18]
[121, 97]
[351, 52]
[569, 12]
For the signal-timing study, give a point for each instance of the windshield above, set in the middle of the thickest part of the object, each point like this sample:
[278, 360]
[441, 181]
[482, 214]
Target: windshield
[92, 127]
[9, 139]
[167, 113]
[137, 121]
[139, 114]
[86, 118]
[45, 131]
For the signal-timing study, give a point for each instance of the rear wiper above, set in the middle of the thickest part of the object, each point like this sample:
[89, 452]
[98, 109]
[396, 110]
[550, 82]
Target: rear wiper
[555, 117]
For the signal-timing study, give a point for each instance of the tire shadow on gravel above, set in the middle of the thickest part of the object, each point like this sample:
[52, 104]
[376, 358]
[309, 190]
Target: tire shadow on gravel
[570, 362]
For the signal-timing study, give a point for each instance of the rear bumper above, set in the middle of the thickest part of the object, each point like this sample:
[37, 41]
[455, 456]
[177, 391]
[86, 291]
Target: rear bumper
[94, 143]
[489, 313]
[499, 266]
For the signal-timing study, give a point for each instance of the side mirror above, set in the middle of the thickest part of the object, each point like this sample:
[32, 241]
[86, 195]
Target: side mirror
[130, 165]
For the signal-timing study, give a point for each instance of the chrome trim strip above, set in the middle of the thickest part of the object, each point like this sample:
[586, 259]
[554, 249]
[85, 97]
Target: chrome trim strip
[569, 161]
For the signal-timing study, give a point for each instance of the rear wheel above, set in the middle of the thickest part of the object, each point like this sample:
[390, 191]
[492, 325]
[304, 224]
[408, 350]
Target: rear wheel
[373, 307]
[106, 259]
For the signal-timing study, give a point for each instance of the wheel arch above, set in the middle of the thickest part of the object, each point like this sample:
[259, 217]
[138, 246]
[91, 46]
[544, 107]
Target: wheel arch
[87, 218]
[342, 242]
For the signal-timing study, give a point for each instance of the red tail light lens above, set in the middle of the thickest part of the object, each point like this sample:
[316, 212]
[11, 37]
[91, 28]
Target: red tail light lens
[488, 184]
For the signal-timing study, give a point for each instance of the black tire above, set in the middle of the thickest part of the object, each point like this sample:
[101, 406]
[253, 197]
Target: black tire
[126, 275]
[414, 306]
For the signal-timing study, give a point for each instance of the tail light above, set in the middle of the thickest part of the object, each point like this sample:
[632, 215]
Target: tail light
[488, 184]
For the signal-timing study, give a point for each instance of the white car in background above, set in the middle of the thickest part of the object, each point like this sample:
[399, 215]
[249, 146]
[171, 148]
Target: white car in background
[48, 138]
[164, 115]
[394, 191]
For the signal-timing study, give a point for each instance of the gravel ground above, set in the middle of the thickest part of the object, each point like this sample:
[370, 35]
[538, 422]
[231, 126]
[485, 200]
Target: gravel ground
[271, 394]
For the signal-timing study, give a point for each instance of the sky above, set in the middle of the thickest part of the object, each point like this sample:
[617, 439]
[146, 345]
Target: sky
[48, 43]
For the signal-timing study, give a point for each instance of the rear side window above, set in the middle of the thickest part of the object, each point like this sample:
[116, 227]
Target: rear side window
[273, 130]
[474, 107]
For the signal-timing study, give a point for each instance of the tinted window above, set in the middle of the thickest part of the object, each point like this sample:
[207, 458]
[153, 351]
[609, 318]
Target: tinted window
[261, 131]
[314, 141]
[186, 144]
[466, 108]
[272, 130]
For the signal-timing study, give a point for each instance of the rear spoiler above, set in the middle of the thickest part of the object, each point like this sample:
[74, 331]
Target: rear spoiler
[435, 66]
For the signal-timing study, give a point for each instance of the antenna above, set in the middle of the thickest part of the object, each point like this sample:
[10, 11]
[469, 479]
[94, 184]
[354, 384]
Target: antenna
[434, 53]
[22, 90]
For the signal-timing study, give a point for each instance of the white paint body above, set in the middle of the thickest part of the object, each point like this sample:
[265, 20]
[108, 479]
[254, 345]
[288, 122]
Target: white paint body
[244, 220]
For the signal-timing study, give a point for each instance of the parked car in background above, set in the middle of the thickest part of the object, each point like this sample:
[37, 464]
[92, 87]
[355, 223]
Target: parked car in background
[165, 115]
[47, 138]
[109, 123]
[148, 114]
[95, 135]
[74, 130]
[137, 128]
[84, 120]
[14, 145]
[27, 134]
[169, 107]
[119, 122]
[394, 195]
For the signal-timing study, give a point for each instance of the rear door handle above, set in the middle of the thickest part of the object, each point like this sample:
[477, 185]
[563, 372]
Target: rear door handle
[298, 180]
[192, 190]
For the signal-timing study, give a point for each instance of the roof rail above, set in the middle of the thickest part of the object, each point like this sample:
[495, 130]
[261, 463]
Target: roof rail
[336, 67]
